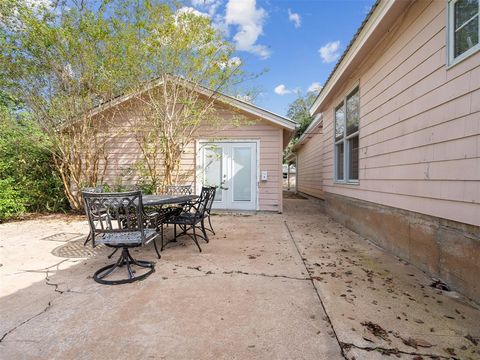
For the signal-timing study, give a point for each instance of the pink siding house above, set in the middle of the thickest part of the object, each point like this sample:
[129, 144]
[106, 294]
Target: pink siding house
[243, 158]
[394, 150]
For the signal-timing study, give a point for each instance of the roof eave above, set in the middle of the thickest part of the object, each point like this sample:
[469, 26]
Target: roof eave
[371, 23]
[316, 123]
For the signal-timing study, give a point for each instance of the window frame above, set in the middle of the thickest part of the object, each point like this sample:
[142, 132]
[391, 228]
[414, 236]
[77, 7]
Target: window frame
[451, 59]
[346, 144]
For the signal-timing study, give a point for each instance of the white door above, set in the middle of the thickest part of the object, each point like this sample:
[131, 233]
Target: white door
[232, 167]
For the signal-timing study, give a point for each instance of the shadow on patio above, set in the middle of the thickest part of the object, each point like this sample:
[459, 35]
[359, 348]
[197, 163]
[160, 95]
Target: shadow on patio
[258, 290]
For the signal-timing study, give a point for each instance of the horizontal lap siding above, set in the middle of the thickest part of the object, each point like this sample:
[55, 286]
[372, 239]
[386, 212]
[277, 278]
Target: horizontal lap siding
[124, 151]
[419, 125]
[309, 167]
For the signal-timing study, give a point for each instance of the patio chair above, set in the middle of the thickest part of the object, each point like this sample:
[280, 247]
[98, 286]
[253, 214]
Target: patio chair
[208, 210]
[192, 218]
[118, 220]
[178, 189]
[96, 189]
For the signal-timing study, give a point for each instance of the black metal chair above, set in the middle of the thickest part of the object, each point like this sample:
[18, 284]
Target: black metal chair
[96, 189]
[178, 190]
[208, 210]
[118, 220]
[192, 218]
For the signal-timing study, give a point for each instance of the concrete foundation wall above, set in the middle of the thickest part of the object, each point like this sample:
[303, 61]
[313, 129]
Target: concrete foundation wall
[443, 248]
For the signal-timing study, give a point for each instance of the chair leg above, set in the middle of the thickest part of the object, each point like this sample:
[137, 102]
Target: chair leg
[174, 232]
[195, 239]
[203, 230]
[128, 260]
[113, 253]
[89, 237]
[161, 236]
[210, 223]
[155, 243]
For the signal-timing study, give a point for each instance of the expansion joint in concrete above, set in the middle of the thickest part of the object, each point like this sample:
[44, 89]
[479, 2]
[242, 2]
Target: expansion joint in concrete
[315, 289]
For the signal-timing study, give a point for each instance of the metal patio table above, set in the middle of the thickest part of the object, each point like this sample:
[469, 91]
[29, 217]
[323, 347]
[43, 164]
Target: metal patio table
[163, 199]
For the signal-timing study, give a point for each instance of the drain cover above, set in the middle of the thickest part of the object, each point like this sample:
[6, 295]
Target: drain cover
[62, 237]
[76, 249]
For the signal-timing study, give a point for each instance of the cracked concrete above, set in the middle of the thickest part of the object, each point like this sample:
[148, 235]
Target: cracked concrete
[291, 286]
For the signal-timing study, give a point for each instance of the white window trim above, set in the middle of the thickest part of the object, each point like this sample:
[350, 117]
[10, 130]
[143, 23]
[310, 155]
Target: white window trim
[344, 140]
[451, 60]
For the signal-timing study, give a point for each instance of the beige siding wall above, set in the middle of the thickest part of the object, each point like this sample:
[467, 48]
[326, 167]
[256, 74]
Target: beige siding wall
[309, 167]
[124, 151]
[419, 125]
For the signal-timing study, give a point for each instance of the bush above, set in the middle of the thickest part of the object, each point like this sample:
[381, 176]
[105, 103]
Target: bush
[28, 180]
[11, 201]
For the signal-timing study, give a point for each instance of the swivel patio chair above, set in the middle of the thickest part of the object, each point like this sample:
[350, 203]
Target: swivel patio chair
[118, 220]
[192, 218]
[96, 189]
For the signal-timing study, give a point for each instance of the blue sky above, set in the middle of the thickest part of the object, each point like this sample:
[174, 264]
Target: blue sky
[285, 37]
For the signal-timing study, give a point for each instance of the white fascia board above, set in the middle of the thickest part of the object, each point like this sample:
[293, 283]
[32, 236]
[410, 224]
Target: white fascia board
[376, 18]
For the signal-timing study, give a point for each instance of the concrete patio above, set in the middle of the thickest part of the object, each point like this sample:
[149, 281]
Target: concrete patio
[295, 285]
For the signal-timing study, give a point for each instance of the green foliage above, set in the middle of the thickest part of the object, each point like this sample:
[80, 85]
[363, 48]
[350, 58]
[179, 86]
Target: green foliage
[62, 62]
[28, 181]
[11, 200]
[299, 111]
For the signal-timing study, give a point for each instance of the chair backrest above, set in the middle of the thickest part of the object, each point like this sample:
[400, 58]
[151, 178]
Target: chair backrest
[178, 189]
[211, 198]
[202, 202]
[114, 213]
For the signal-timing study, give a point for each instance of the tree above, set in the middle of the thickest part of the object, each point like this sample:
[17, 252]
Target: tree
[299, 111]
[194, 65]
[60, 63]
[65, 62]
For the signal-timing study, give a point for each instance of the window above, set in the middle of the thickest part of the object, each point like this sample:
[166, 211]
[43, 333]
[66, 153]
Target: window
[463, 29]
[347, 118]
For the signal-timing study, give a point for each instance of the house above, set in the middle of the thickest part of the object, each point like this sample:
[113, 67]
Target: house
[242, 157]
[393, 151]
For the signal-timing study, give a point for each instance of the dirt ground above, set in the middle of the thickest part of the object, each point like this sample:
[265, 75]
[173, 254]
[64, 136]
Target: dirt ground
[295, 285]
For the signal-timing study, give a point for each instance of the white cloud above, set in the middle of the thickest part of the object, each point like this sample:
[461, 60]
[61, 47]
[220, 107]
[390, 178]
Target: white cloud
[210, 6]
[330, 51]
[314, 87]
[190, 10]
[282, 90]
[295, 18]
[249, 21]
[232, 62]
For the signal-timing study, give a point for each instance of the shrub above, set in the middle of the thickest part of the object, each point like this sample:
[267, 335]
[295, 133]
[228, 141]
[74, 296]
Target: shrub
[28, 181]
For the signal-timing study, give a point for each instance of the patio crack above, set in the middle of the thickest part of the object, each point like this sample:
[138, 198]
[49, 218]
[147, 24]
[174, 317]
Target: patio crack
[26, 321]
[49, 304]
[391, 351]
[266, 275]
[240, 272]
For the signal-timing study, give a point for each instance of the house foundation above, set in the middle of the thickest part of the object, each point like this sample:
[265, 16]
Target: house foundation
[445, 249]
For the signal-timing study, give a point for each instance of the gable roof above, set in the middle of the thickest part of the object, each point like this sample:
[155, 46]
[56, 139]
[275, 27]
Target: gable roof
[244, 106]
[374, 22]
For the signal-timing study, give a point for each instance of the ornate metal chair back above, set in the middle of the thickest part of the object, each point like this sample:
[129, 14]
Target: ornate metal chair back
[179, 189]
[211, 198]
[202, 202]
[109, 213]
